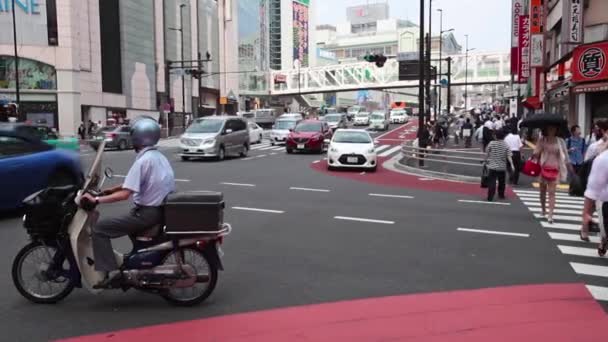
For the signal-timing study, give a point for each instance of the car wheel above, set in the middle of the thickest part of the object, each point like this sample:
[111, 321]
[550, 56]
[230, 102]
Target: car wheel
[184, 158]
[244, 151]
[221, 154]
[272, 143]
[260, 141]
[122, 145]
[289, 150]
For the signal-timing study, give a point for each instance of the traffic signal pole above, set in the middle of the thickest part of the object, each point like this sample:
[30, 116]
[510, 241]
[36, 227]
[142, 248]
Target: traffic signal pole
[421, 69]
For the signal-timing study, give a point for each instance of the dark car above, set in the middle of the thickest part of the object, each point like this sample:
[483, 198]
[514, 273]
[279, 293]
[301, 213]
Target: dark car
[308, 135]
[115, 136]
[28, 164]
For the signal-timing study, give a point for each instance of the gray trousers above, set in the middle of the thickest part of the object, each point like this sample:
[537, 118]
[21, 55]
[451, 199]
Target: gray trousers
[137, 220]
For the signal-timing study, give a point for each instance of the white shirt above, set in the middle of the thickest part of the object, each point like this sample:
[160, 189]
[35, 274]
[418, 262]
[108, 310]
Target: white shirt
[498, 125]
[513, 141]
[150, 178]
[489, 124]
[594, 149]
[597, 186]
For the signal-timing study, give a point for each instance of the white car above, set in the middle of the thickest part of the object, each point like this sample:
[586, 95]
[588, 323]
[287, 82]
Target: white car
[351, 148]
[399, 117]
[280, 131]
[256, 133]
[378, 121]
[361, 119]
[291, 116]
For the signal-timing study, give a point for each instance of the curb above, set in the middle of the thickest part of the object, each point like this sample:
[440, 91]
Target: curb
[396, 166]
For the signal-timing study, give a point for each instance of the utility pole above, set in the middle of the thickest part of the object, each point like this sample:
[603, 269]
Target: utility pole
[17, 87]
[466, 71]
[421, 68]
[181, 31]
[428, 65]
[449, 93]
[440, 53]
[200, 73]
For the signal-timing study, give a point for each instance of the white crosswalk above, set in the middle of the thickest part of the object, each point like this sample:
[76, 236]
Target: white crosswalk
[565, 231]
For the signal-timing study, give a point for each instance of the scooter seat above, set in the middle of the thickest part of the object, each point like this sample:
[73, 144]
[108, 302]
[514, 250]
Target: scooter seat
[149, 233]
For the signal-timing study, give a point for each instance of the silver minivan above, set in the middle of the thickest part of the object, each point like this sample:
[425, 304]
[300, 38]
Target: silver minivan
[215, 137]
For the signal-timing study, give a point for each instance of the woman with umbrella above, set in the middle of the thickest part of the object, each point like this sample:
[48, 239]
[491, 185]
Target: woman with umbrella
[552, 154]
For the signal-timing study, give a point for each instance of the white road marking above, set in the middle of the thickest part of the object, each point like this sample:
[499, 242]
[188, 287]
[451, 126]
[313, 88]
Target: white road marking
[484, 202]
[362, 173]
[592, 270]
[267, 148]
[391, 131]
[359, 219]
[565, 206]
[566, 226]
[261, 156]
[425, 179]
[579, 251]
[259, 210]
[273, 154]
[308, 189]
[260, 146]
[278, 149]
[316, 161]
[382, 147]
[598, 292]
[237, 184]
[391, 196]
[495, 232]
[177, 179]
[390, 151]
[556, 211]
[248, 158]
[572, 237]
[536, 193]
[557, 200]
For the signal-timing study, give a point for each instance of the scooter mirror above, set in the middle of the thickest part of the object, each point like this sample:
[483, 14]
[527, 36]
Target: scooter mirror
[109, 173]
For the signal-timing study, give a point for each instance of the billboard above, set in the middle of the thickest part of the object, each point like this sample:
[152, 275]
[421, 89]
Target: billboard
[517, 10]
[575, 24]
[589, 62]
[523, 65]
[300, 33]
[31, 22]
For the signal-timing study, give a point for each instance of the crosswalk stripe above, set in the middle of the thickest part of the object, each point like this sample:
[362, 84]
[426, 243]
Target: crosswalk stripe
[267, 148]
[598, 292]
[278, 149]
[382, 148]
[566, 206]
[572, 237]
[557, 200]
[556, 211]
[390, 151]
[574, 218]
[561, 226]
[587, 269]
[579, 251]
[528, 193]
[257, 147]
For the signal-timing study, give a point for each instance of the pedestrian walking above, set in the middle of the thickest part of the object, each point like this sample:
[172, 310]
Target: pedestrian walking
[601, 139]
[597, 193]
[552, 153]
[487, 134]
[467, 133]
[515, 144]
[576, 148]
[497, 156]
[82, 131]
[424, 138]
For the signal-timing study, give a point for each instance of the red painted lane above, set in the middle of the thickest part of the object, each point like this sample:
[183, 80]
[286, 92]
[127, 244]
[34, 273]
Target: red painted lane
[399, 134]
[387, 177]
[554, 312]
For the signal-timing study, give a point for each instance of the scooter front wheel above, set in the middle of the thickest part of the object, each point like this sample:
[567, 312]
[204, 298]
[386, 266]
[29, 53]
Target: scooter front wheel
[36, 276]
[206, 274]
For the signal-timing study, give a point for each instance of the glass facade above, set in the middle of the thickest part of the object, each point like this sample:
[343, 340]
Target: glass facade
[253, 44]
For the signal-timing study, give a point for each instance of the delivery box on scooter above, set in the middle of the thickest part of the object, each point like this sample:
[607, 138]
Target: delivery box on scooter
[194, 212]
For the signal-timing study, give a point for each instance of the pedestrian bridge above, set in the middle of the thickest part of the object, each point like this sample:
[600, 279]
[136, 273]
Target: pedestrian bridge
[484, 68]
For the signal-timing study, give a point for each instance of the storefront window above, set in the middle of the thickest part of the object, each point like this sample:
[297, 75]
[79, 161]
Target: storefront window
[32, 74]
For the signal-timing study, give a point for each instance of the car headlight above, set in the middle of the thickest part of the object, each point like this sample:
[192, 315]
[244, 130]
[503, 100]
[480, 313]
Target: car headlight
[182, 140]
[209, 141]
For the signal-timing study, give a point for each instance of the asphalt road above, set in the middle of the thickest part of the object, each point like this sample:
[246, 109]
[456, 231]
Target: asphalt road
[312, 248]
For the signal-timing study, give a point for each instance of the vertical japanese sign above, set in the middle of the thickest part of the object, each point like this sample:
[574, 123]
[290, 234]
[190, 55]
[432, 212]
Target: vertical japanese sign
[300, 33]
[536, 16]
[516, 11]
[523, 70]
[575, 27]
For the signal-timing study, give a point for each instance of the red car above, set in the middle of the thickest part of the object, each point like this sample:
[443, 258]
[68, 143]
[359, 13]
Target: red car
[308, 135]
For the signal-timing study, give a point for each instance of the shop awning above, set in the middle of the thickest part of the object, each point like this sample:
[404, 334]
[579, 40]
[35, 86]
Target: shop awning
[591, 88]
[532, 102]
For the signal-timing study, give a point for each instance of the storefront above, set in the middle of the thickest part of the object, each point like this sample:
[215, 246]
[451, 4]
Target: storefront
[590, 73]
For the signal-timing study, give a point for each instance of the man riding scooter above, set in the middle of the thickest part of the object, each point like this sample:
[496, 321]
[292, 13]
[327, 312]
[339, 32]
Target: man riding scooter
[149, 181]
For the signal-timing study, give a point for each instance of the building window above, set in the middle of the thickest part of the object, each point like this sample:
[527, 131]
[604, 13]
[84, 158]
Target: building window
[111, 65]
[51, 22]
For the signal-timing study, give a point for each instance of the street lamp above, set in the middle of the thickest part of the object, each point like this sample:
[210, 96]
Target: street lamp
[441, 32]
[466, 70]
[181, 31]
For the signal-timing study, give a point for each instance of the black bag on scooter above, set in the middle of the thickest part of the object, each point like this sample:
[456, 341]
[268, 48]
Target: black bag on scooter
[191, 213]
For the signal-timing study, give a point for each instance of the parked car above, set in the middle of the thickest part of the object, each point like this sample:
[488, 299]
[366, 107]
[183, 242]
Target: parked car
[308, 135]
[215, 137]
[281, 129]
[28, 164]
[351, 148]
[256, 133]
[399, 116]
[265, 117]
[378, 121]
[292, 116]
[48, 135]
[115, 137]
[361, 119]
[336, 121]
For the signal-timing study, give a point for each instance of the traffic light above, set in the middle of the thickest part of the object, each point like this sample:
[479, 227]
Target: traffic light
[378, 59]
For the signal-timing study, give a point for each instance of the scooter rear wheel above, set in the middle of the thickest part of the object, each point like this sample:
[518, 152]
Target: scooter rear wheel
[205, 270]
[34, 277]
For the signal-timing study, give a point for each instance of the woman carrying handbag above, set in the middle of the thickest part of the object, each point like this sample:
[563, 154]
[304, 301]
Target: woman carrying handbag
[552, 154]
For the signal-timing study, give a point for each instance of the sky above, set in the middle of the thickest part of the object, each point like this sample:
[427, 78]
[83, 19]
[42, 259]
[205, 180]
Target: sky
[487, 22]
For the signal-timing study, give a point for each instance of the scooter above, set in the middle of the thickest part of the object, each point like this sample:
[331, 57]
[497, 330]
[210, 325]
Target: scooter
[180, 265]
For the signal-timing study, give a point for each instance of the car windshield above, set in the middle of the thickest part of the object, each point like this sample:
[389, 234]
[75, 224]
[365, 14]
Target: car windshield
[362, 115]
[352, 137]
[333, 118]
[309, 127]
[205, 126]
[398, 113]
[377, 117]
[285, 124]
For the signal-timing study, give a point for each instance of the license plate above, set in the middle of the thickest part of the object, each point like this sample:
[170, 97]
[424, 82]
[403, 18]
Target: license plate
[301, 146]
[192, 150]
[352, 160]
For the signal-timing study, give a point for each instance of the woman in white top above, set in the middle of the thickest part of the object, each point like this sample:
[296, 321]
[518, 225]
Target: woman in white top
[597, 191]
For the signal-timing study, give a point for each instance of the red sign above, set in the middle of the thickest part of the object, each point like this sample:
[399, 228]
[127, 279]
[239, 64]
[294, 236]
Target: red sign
[589, 62]
[523, 67]
[536, 16]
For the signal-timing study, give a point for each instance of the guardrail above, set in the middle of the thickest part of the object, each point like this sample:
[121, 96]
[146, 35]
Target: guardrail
[467, 158]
